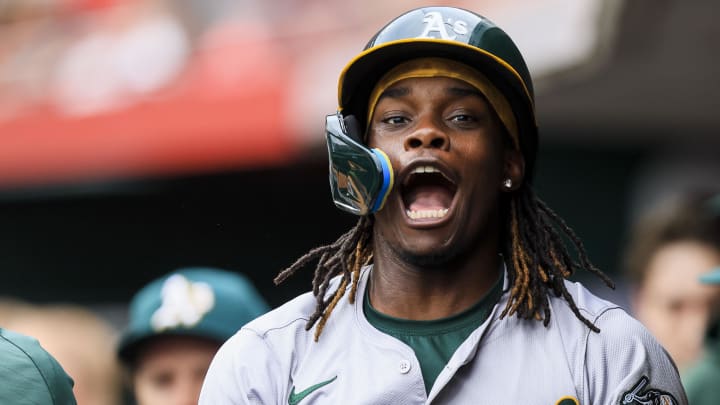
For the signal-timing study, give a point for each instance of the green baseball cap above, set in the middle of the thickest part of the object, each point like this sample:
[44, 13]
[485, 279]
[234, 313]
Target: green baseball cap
[201, 302]
[712, 277]
[29, 374]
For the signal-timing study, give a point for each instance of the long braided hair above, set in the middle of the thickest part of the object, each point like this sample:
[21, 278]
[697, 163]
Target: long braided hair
[537, 256]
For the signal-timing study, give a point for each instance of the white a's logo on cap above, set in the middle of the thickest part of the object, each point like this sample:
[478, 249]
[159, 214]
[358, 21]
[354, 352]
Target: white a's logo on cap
[435, 23]
[183, 303]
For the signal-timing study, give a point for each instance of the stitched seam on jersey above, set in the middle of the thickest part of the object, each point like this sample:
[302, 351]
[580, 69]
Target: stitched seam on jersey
[263, 338]
[495, 320]
[587, 313]
[273, 355]
[603, 312]
[276, 359]
[333, 282]
[267, 331]
[562, 340]
[587, 340]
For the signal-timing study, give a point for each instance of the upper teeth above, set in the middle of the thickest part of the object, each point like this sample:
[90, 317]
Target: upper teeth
[427, 213]
[425, 169]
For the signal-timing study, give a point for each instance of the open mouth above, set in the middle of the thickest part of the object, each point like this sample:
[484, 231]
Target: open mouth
[427, 193]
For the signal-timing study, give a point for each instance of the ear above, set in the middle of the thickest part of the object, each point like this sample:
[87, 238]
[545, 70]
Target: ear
[513, 169]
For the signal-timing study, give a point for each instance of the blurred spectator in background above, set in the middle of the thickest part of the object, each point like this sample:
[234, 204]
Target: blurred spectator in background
[671, 246]
[32, 38]
[29, 374]
[702, 379]
[84, 57]
[177, 323]
[128, 51]
[81, 341]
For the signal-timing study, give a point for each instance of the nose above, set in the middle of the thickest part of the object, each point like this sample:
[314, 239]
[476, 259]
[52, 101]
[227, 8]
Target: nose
[427, 135]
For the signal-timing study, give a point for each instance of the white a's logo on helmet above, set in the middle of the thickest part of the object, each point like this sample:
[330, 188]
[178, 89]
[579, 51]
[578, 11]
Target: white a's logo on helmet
[184, 303]
[435, 27]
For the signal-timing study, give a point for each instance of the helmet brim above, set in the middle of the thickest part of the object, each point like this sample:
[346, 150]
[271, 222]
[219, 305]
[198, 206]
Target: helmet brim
[362, 73]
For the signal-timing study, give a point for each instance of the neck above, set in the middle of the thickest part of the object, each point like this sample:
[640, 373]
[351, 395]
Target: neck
[411, 291]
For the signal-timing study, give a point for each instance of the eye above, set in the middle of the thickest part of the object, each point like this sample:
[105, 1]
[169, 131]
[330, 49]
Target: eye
[463, 118]
[162, 380]
[395, 120]
[464, 121]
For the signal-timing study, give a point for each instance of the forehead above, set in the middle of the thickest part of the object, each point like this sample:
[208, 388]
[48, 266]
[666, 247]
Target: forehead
[170, 350]
[675, 269]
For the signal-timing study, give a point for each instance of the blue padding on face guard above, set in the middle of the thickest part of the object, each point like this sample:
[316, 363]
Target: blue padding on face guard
[388, 179]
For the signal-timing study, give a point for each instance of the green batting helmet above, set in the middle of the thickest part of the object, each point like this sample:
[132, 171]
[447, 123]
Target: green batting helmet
[451, 33]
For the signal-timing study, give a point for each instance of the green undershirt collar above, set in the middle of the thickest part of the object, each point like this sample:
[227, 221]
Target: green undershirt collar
[435, 341]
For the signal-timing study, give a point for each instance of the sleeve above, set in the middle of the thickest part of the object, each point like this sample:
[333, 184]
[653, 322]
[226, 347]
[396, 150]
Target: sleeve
[244, 371]
[625, 365]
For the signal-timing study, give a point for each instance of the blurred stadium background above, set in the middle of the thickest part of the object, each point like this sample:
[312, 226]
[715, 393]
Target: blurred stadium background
[138, 136]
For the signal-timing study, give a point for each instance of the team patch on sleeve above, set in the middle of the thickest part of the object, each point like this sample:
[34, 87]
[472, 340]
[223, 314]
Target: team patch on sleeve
[567, 401]
[650, 396]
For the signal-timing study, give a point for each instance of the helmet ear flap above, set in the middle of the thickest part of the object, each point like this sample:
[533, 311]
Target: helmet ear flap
[360, 178]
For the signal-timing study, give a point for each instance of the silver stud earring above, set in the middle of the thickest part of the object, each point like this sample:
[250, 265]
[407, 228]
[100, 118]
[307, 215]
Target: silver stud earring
[507, 183]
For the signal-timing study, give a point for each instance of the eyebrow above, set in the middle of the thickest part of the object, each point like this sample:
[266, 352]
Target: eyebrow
[465, 91]
[394, 92]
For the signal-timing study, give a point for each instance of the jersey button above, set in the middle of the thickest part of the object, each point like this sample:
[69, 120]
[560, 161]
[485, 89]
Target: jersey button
[404, 366]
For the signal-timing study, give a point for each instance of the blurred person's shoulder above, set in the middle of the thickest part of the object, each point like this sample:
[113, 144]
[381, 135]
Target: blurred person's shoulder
[701, 379]
[30, 374]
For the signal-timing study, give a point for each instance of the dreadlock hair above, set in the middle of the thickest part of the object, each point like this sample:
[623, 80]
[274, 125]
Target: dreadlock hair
[537, 258]
[345, 257]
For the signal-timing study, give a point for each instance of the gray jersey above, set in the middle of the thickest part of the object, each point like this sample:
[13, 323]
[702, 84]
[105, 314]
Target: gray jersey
[273, 360]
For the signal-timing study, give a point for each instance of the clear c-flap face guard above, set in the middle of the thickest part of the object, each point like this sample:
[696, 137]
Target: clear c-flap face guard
[360, 177]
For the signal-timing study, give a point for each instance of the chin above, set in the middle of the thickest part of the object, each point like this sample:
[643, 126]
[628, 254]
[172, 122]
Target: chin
[432, 258]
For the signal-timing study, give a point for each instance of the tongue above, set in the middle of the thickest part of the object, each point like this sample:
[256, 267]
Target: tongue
[428, 197]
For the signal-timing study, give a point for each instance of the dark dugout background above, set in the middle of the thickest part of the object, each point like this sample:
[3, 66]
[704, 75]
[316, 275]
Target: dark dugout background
[99, 244]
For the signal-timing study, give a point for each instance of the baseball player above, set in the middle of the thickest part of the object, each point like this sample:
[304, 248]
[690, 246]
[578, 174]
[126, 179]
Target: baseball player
[452, 286]
[177, 323]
